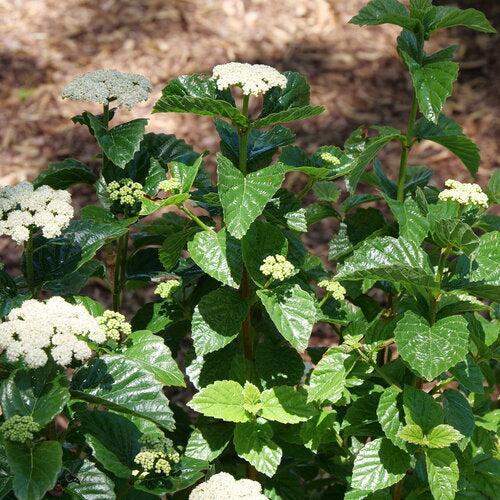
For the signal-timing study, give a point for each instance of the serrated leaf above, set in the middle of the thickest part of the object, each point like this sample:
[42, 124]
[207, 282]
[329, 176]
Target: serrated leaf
[448, 17]
[261, 240]
[469, 375]
[90, 484]
[212, 328]
[433, 84]
[327, 381]
[120, 143]
[219, 255]
[326, 191]
[123, 385]
[413, 225]
[318, 429]
[154, 356]
[389, 415]
[450, 134]
[442, 473]
[443, 436]
[458, 412]
[41, 393]
[456, 235]
[431, 350]
[387, 258]
[208, 440]
[286, 405]
[173, 244]
[185, 174]
[293, 312]
[253, 442]
[421, 409]
[222, 399]
[65, 173]
[288, 115]
[243, 197]
[382, 12]
[412, 433]
[34, 470]
[379, 464]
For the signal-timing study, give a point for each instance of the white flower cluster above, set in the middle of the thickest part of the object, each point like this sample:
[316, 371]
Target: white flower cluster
[223, 485]
[57, 328]
[24, 208]
[464, 193]
[334, 288]
[169, 185]
[254, 79]
[165, 289]
[114, 325]
[277, 267]
[106, 85]
[330, 158]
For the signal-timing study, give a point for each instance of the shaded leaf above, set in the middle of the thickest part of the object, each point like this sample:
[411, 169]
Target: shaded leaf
[65, 173]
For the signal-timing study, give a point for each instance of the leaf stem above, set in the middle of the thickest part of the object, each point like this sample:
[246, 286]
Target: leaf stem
[310, 183]
[407, 145]
[195, 218]
[120, 271]
[376, 368]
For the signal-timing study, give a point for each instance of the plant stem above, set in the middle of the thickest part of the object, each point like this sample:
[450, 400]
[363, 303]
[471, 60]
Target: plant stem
[195, 219]
[30, 273]
[407, 145]
[397, 493]
[120, 271]
[243, 138]
[307, 188]
[376, 368]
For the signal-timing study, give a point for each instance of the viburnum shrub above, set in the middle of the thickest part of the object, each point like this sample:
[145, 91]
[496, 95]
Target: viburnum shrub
[399, 405]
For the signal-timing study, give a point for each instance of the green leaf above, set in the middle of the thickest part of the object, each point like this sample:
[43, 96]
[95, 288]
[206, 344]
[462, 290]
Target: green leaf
[243, 198]
[90, 484]
[198, 94]
[389, 415]
[412, 433]
[327, 191]
[288, 115]
[185, 174]
[413, 225]
[121, 142]
[253, 442]
[292, 310]
[448, 17]
[318, 429]
[114, 440]
[208, 440]
[222, 399]
[286, 405]
[449, 134]
[379, 464]
[123, 385]
[262, 239]
[65, 173]
[42, 393]
[458, 412]
[443, 436]
[469, 375]
[421, 409]
[433, 84]
[217, 320]
[387, 258]
[34, 470]
[431, 350]
[251, 396]
[173, 245]
[442, 473]
[327, 380]
[382, 12]
[218, 254]
[493, 187]
[154, 356]
[149, 207]
[456, 235]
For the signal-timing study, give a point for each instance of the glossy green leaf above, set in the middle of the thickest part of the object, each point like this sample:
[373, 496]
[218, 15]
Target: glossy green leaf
[448, 17]
[412, 433]
[391, 259]
[450, 134]
[382, 12]
[34, 470]
[222, 399]
[431, 350]
[421, 409]
[389, 415]
[253, 442]
[90, 484]
[243, 197]
[120, 143]
[41, 393]
[65, 173]
[219, 255]
[413, 225]
[443, 436]
[217, 320]
[173, 245]
[318, 429]
[292, 310]
[442, 473]
[286, 405]
[458, 413]
[208, 440]
[154, 356]
[185, 174]
[123, 385]
[469, 375]
[288, 115]
[379, 464]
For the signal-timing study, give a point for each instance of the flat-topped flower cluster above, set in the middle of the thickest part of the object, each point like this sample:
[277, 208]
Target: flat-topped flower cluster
[223, 485]
[24, 208]
[464, 193]
[36, 330]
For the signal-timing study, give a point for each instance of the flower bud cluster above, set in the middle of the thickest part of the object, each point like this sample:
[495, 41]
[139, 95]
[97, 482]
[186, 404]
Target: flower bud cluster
[126, 195]
[106, 85]
[277, 267]
[334, 288]
[114, 325]
[24, 208]
[254, 79]
[166, 288]
[157, 456]
[223, 485]
[464, 193]
[36, 330]
[329, 158]
[169, 185]
[19, 429]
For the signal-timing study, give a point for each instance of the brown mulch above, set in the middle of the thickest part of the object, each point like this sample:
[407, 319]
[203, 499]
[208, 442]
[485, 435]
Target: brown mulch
[354, 72]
